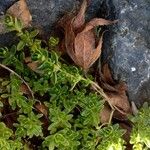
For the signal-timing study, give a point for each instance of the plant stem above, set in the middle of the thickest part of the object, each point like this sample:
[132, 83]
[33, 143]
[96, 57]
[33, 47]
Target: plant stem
[13, 72]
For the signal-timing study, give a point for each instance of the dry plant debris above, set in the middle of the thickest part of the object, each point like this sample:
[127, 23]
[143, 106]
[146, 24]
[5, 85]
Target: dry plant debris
[80, 41]
[84, 47]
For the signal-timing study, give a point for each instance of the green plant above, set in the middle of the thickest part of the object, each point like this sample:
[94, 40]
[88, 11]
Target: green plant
[5, 142]
[111, 138]
[56, 106]
[140, 136]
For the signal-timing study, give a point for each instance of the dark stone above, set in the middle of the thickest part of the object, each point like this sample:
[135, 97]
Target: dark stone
[46, 13]
[128, 46]
[5, 4]
[7, 39]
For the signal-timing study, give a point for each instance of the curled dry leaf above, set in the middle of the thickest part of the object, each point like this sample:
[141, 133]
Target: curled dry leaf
[107, 76]
[116, 92]
[42, 109]
[21, 11]
[33, 65]
[120, 99]
[80, 39]
[24, 89]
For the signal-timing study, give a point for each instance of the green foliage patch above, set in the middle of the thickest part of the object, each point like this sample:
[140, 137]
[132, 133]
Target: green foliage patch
[72, 119]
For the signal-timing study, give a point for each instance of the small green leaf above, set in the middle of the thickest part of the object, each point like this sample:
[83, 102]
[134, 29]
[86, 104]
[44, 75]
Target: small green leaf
[6, 133]
[54, 78]
[53, 41]
[18, 25]
[54, 57]
[34, 33]
[3, 52]
[35, 56]
[20, 45]
[13, 50]
[4, 83]
[59, 138]
[4, 95]
[1, 104]
[8, 21]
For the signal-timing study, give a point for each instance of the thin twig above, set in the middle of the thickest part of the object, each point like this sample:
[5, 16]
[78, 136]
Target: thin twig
[111, 116]
[13, 72]
[109, 122]
[101, 92]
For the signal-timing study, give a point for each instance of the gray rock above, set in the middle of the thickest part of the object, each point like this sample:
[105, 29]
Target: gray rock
[46, 13]
[5, 4]
[128, 46]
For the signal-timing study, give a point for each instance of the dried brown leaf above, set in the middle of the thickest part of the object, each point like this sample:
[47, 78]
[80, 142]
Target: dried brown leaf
[84, 48]
[86, 52]
[33, 65]
[107, 76]
[21, 11]
[80, 40]
[42, 109]
[79, 20]
[28, 60]
[120, 100]
[69, 41]
[24, 89]
[81, 45]
[116, 92]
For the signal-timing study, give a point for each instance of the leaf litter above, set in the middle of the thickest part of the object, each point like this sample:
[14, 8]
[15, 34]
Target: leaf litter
[84, 48]
[81, 42]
